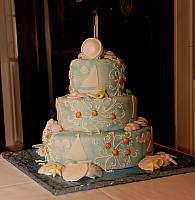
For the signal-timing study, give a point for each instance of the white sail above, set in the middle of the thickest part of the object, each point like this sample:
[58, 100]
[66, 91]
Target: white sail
[77, 152]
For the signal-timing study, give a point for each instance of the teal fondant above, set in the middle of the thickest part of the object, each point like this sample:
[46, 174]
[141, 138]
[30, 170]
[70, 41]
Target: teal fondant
[109, 150]
[96, 122]
[89, 115]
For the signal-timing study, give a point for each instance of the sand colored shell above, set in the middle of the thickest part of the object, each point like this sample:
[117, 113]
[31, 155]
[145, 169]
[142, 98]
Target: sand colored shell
[42, 149]
[109, 55]
[167, 158]
[142, 121]
[161, 159]
[131, 126]
[51, 169]
[136, 125]
[53, 126]
[150, 163]
[73, 95]
[76, 171]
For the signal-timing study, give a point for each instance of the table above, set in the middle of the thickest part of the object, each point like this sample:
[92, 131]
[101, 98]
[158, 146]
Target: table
[14, 185]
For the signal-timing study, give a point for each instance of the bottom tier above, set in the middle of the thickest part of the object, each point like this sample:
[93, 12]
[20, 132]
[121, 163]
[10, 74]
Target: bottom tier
[109, 150]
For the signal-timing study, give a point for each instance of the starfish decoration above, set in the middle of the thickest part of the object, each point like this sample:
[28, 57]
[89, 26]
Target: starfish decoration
[56, 169]
[99, 94]
[153, 164]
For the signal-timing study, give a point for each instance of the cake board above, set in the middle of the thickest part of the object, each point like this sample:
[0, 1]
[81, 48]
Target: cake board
[24, 160]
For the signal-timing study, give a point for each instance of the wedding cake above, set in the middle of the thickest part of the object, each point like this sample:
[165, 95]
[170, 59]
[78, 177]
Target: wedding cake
[97, 126]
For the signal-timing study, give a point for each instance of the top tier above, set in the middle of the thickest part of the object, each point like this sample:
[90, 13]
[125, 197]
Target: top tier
[95, 69]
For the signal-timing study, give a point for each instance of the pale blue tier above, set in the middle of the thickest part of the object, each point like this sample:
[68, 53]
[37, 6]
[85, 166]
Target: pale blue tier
[109, 150]
[88, 75]
[95, 115]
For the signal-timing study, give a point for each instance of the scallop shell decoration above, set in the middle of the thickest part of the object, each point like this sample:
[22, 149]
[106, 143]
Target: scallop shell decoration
[76, 171]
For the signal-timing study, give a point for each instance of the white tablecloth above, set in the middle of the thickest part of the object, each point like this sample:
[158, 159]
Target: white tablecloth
[14, 185]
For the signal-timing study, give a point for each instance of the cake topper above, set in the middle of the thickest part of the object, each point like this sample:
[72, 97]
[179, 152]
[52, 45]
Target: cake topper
[91, 48]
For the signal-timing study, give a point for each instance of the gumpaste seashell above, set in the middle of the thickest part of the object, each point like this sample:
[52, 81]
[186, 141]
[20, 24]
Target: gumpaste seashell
[150, 163]
[109, 55]
[91, 49]
[74, 171]
[50, 121]
[41, 149]
[167, 158]
[74, 95]
[55, 127]
[161, 159]
[51, 169]
[142, 121]
[131, 126]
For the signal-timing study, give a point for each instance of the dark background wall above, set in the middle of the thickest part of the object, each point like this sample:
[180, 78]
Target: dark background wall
[142, 35]
[32, 69]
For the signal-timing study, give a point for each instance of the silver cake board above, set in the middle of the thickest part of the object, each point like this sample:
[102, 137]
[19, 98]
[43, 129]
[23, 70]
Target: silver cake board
[24, 160]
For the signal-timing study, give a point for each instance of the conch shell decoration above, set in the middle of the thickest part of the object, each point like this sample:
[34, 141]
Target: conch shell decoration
[161, 159]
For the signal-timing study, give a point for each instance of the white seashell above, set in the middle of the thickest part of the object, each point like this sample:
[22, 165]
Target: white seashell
[142, 121]
[109, 55]
[161, 159]
[131, 126]
[74, 171]
[41, 149]
[167, 158]
[55, 127]
[51, 126]
[50, 121]
[73, 95]
[150, 163]
[51, 169]
[92, 48]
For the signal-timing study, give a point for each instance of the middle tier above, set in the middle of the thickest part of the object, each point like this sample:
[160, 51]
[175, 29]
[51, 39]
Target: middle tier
[96, 115]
